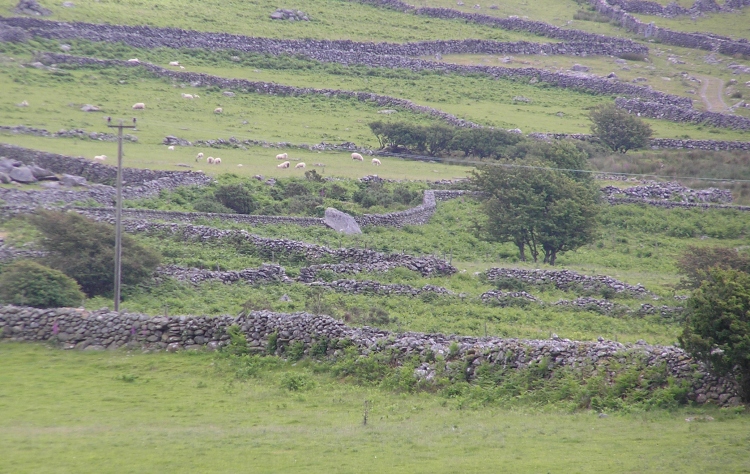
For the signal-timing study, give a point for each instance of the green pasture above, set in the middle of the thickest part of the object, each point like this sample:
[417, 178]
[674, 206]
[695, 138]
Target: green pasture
[131, 412]
[308, 119]
[329, 19]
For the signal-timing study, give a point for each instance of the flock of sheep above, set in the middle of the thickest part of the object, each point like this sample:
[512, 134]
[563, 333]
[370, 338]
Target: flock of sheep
[217, 161]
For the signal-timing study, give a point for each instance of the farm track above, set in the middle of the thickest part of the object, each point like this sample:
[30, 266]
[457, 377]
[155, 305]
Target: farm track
[711, 93]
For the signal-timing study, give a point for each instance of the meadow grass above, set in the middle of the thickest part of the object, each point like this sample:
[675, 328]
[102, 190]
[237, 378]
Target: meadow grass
[130, 412]
[329, 19]
[735, 24]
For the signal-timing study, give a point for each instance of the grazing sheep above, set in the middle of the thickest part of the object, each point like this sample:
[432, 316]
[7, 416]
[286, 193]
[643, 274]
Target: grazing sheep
[239, 166]
[210, 160]
[282, 156]
[174, 63]
[187, 96]
[100, 157]
[170, 147]
[357, 156]
[139, 106]
[23, 104]
[134, 60]
[218, 110]
[182, 67]
[199, 156]
[299, 165]
[283, 165]
[376, 162]
[196, 96]
[217, 161]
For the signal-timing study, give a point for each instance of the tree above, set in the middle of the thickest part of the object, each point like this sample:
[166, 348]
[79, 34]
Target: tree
[618, 129]
[695, 262]
[535, 208]
[717, 328]
[28, 283]
[85, 251]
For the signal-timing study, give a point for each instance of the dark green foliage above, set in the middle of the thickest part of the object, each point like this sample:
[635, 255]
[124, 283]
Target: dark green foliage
[618, 129]
[27, 283]
[210, 205]
[84, 250]
[717, 329]
[236, 197]
[237, 341]
[484, 142]
[295, 351]
[696, 261]
[539, 209]
[272, 343]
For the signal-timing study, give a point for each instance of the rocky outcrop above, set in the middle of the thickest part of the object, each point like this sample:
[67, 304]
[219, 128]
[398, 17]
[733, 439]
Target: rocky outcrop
[84, 330]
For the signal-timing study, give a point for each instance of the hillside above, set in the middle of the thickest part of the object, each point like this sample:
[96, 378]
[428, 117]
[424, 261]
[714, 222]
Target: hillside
[417, 340]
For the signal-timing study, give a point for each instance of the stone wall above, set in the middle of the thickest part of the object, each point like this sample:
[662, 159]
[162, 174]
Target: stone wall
[566, 279]
[705, 41]
[680, 114]
[659, 143]
[101, 173]
[575, 42]
[84, 330]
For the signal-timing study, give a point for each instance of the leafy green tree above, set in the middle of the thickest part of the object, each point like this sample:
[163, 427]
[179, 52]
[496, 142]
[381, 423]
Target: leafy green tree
[618, 129]
[717, 328]
[85, 251]
[438, 138]
[30, 284]
[695, 262]
[536, 208]
[236, 197]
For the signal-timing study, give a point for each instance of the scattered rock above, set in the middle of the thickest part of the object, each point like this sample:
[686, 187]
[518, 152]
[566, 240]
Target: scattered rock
[72, 181]
[31, 7]
[22, 174]
[90, 108]
[290, 15]
[580, 68]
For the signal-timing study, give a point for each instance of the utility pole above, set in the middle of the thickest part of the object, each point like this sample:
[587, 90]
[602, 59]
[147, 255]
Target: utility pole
[118, 211]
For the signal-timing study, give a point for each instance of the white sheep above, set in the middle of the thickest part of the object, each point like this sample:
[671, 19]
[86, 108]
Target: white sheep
[282, 156]
[134, 60]
[196, 96]
[299, 165]
[199, 156]
[217, 161]
[210, 160]
[139, 106]
[187, 96]
[170, 148]
[357, 156]
[376, 162]
[218, 110]
[239, 166]
[100, 157]
[283, 165]
[174, 63]
[182, 67]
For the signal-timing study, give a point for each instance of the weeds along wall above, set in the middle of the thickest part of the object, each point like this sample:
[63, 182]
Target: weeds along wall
[79, 329]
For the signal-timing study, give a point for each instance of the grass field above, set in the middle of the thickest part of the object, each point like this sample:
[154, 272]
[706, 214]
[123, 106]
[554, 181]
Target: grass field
[329, 19]
[734, 24]
[125, 412]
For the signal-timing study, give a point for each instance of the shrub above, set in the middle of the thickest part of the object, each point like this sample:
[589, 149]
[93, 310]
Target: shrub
[696, 261]
[236, 197]
[84, 250]
[210, 205]
[618, 129]
[295, 351]
[296, 382]
[30, 284]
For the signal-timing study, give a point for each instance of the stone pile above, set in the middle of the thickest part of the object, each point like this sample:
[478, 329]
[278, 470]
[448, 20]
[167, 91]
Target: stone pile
[289, 15]
[664, 311]
[504, 297]
[588, 303]
[31, 7]
[670, 191]
[99, 330]
[566, 279]
[374, 287]
[266, 273]
[14, 171]
[614, 200]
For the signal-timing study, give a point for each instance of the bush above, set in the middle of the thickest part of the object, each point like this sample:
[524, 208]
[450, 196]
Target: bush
[210, 205]
[236, 197]
[618, 129]
[85, 250]
[696, 261]
[28, 283]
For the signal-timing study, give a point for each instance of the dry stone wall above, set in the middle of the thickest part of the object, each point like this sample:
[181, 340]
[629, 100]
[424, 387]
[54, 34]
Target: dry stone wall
[99, 330]
[566, 279]
[662, 111]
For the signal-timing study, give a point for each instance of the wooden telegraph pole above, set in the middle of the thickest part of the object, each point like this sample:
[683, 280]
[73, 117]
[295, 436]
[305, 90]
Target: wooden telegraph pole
[118, 211]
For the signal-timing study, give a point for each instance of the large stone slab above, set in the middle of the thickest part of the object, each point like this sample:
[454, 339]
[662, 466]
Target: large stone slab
[71, 180]
[7, 164]
[22, 174]
[341, 221]
[41, 173]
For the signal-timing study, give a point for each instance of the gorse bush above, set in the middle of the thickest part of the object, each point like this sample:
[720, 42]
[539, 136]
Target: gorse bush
[31, 284]
[236, 197]
[85, 250]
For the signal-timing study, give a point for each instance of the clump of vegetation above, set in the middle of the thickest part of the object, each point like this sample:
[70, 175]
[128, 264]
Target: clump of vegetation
[695, 262]
[28, 283]
[85, 251]
[618, 129]
[717, 328]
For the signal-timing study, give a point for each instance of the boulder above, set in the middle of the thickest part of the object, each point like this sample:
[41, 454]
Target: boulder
[89, 108]
[579, 68]
[341, 221]
[7, 164]
[4, 178]
[72, 181]
[31, 7]
[41, 173]
[22, 174]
